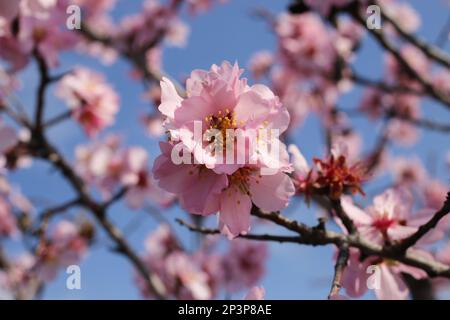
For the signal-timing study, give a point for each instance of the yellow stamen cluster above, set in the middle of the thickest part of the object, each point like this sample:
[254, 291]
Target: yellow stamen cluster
[223, 121]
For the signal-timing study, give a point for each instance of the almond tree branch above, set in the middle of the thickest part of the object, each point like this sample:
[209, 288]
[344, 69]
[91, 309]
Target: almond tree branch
[320, 237]
[44, 80]
[389, 46]
[342, 215]
[341, 263]
[258, 237]
[429, 50]
[48, 152]
[425, 228]
[382, 86]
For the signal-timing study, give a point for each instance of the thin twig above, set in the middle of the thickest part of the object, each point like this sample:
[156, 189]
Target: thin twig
[425, 228]
[342, 215]
[389, 46]
[432, 52]
[258, 237]
[341, 263]
[58, 119]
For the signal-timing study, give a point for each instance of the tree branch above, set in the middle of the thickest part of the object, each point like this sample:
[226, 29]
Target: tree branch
[429, 50]
[44, 80]
[341, 263]
[258, 237]
[386, 44]
[425, 228]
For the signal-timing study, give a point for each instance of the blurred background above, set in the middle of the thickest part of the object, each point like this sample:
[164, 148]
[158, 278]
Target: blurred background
[227, 32]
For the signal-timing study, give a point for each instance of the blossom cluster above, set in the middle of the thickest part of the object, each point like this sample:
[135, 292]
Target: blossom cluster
[202, 274]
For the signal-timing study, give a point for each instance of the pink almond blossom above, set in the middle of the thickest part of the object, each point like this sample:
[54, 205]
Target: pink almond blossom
[390, 218]
[244, 265]
[93, 102]
[205, 185]
[66, 245]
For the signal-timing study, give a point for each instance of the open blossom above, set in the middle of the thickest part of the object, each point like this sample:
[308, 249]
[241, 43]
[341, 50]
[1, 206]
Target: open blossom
[391, 218]
[245, 264]
[305, 43]
[382, 275]
[66, 245]
[201, 274]
[219, 101]
[182, 276]
[408, 171]
[93, 102]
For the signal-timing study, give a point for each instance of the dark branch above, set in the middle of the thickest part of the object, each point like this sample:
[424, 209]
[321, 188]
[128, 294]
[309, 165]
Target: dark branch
[339, 268]
[425, 228]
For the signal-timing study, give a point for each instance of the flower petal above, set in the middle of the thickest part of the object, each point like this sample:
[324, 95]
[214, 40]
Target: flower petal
[235, 209]
[271, 192]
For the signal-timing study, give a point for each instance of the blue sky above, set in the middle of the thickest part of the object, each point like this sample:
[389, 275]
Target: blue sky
[227, 32]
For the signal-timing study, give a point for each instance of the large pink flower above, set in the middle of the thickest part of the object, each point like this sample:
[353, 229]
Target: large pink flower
[202, 177]
[218, 102]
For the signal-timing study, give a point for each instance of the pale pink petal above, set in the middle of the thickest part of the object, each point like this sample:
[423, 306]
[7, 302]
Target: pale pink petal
[170, 100]
[356, 214]
[235, 209]
[298, 161]
[271, 192]
[399, 232]
[392, 286]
